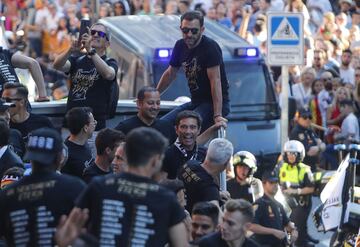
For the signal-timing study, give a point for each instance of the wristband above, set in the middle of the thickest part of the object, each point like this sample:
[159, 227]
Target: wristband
[215, 116]
[92, 52]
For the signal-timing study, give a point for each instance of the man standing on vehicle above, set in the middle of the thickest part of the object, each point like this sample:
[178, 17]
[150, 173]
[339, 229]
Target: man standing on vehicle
[91, 75]
[201, 59]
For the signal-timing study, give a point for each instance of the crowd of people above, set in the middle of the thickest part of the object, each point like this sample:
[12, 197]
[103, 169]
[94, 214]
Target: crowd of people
[155, 182]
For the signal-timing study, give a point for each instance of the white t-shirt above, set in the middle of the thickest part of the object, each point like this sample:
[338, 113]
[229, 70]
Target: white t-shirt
[350, 127]
[301, 95]
[348, 75]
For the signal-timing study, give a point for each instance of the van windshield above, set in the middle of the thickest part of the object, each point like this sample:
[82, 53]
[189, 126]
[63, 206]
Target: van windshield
[251, 94]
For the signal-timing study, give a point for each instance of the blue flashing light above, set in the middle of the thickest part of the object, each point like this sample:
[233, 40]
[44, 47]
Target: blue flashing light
[250, 52]
[163, 53]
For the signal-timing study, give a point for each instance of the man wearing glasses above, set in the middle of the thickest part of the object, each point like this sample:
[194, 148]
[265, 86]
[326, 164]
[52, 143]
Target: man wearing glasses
[306, 135]
[201, 59]
[91, 75]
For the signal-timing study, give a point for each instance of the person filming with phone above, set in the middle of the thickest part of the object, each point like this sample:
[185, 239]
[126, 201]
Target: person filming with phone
[92, 74]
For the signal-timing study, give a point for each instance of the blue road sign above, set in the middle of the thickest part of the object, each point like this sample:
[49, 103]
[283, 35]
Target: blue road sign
[287, 30]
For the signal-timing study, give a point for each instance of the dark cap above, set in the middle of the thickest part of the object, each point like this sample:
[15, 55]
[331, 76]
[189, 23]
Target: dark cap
[4, 106]
[43, 146]
[269, 176]
[304, 112]
[174, 185]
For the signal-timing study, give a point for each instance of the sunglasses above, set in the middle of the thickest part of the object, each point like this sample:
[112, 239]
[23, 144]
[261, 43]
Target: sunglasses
[187, 30]
[291, 153]
[99, 33]
[306, 117]
[11, 100]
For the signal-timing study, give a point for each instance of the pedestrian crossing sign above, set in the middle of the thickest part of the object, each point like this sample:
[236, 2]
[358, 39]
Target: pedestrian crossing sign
[285, 38]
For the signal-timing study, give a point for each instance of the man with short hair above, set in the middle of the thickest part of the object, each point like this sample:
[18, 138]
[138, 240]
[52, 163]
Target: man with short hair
[347, 73]
[200, 178]
[350, 125]
[185, 148]
[31, 208]
[81, 124]
[201, 59]
[320, 59]
[236, 221]
[271, 224]
[106, 143]
[119, 162]
[204, 219]
[92, 75]
[15, 138]
[326, 95]
[8, 158]
[20, 117]
[130, 207]
[148, 104]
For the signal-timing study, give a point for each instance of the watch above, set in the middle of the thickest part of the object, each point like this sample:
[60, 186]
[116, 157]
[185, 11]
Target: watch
[92, 52]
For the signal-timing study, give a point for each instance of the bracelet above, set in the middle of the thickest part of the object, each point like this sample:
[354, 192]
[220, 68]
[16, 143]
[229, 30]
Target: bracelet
[215, 116]
[299, 191]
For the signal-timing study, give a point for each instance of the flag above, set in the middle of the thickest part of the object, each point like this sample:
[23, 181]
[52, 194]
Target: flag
[331, 196]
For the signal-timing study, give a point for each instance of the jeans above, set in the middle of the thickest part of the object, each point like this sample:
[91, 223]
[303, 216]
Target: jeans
[205, 110]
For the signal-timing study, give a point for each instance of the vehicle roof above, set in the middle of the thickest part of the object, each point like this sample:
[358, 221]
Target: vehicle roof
[162, 31]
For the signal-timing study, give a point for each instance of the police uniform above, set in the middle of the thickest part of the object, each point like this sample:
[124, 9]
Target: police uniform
[298, 176]
[249, 191]
[270, 213]
[307, 137]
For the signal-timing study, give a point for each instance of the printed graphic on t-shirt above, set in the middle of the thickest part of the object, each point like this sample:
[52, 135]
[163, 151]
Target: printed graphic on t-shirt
[83, 80]
[191, 69]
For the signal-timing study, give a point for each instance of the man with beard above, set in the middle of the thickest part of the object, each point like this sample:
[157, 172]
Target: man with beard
[347, 73]
[201, 59]
[185, 148]
[148, 104]
[204, 220]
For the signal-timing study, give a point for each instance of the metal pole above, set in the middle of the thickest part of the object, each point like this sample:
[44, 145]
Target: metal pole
[222, 134]
[284, 104]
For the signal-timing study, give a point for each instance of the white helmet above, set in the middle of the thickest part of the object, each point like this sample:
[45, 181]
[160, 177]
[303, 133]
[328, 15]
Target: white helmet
[295, 147]
[245, 158]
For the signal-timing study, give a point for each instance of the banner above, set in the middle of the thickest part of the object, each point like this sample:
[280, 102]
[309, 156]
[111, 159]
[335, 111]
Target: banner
[331, 196]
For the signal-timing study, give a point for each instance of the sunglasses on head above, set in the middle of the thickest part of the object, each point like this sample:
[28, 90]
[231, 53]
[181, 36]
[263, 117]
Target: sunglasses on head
[99, 33]
[187, 30]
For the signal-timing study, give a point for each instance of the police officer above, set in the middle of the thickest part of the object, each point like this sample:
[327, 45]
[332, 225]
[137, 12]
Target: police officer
[271, 224]
[244, 185]
[306, 135]
[296, 181]
[30, 209]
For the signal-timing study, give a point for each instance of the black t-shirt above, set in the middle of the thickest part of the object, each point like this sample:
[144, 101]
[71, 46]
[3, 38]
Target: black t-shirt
[92, 171]
[30, 208]
[17, 142]
[195, 62]
[215, 240]
[126, 209]
[7, 71]
[32, 123]
[270, 213]
[79, 158]
[238, 191]
[199, 185]
[175, 159]
[89, 88]
[163, 126]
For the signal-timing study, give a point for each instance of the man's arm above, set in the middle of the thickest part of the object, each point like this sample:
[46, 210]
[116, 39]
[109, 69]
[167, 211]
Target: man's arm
[167, 77]
[61, 61]
[262, 230]
[24, 62]
[213, 74]
[177, 235]
[105, 70]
